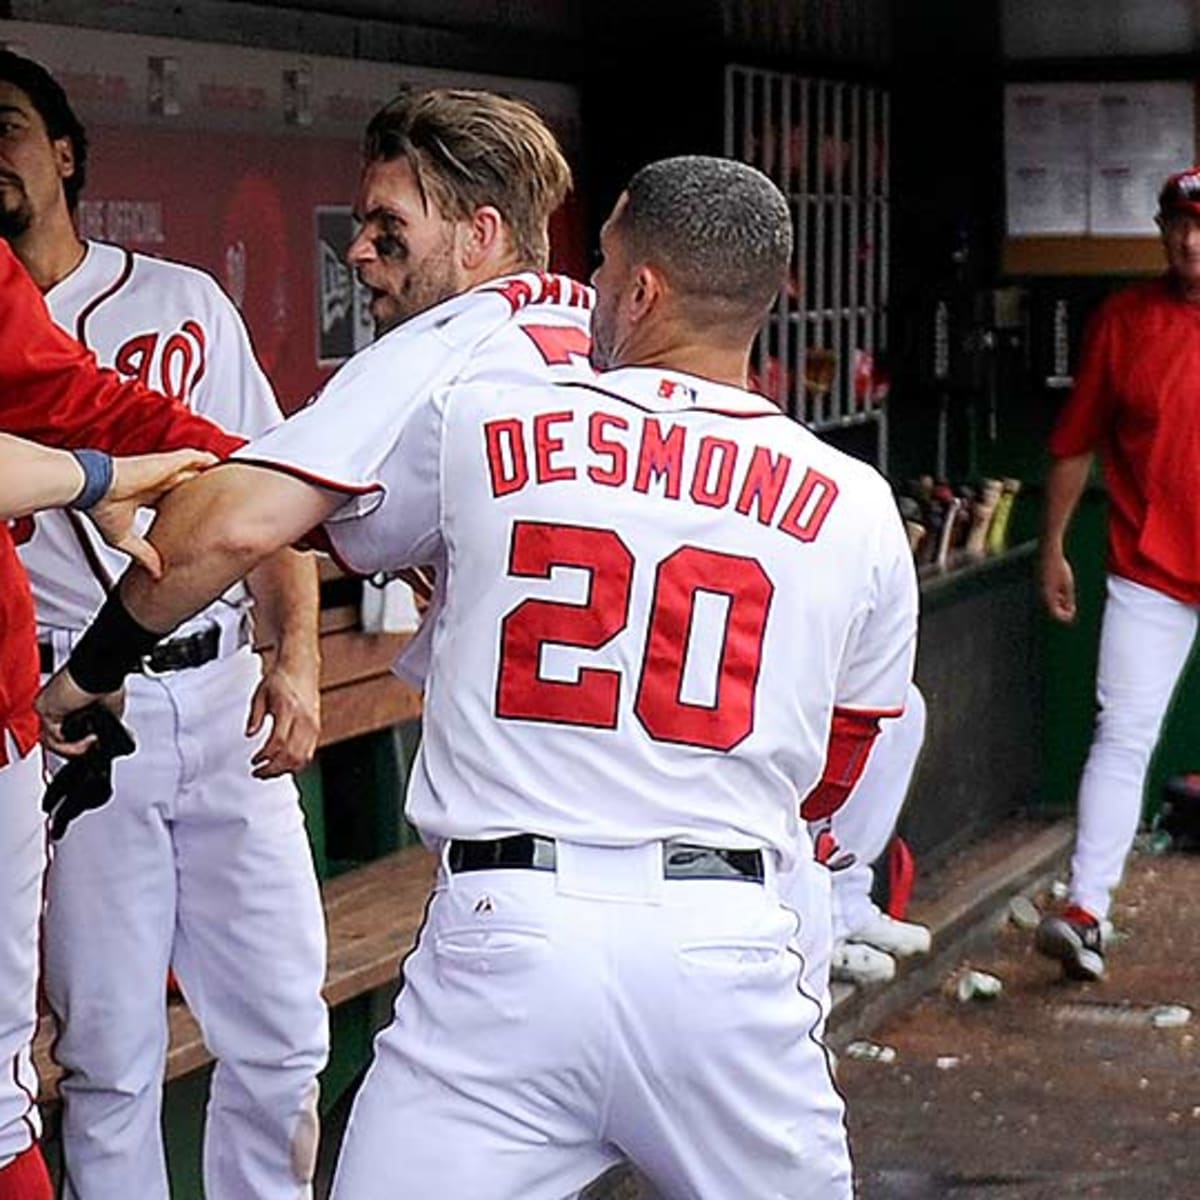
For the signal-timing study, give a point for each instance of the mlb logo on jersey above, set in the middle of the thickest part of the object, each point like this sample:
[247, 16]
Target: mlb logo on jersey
[672, 389]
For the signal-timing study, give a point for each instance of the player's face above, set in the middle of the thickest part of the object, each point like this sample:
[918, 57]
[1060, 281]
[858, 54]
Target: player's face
[611, 279]
[1181, 237]
[32, 166]
[405, 250]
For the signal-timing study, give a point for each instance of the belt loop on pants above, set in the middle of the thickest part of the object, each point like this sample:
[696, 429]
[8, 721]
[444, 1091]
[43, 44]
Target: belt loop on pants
[532, 852]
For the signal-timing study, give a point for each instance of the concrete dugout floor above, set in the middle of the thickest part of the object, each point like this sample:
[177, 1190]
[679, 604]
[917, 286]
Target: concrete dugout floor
[1059, 1089]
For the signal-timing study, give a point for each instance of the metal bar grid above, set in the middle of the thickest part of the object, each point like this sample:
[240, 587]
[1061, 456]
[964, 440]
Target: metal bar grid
[825, 143]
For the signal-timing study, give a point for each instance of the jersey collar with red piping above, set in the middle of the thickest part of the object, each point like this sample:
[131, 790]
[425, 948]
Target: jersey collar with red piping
[662, 390]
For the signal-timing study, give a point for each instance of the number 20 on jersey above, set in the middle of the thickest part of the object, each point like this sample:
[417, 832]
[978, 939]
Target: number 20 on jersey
[593, 698]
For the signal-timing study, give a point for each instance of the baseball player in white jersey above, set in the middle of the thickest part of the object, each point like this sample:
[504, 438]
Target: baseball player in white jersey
[201, 861]
[669, 615]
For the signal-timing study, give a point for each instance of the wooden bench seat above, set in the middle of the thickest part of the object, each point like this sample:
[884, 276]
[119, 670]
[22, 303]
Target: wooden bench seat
[373, 914]
[359, 693]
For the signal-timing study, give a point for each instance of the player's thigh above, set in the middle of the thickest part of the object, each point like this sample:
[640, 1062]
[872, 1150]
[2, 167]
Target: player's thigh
[111, 884]
[414, 1134]
[1145, 640]
[250, 944]
[488, 1084]
[733, 1040]
[22, 842]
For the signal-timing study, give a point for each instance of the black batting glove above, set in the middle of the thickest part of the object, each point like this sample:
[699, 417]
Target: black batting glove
[85, 782]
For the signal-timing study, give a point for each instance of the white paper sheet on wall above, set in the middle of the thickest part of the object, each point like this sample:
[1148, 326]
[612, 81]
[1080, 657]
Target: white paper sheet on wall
[1090, 158]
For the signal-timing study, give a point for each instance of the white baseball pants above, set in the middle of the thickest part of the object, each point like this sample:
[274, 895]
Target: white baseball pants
[195, 865]
[552, 1023]
[22, 864]
[864, 825]
[1145, 640]
[806, 888]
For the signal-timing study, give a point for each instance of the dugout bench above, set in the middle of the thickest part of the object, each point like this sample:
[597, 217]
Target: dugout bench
[375, 877]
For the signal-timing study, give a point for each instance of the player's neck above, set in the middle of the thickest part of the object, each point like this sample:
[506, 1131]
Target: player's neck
[50, 251]
[496, 267]
[693, 353]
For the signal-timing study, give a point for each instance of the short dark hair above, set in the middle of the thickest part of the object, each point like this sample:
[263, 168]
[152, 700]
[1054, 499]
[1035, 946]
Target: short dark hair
[51, 103]
[471, 148]
[720, 231]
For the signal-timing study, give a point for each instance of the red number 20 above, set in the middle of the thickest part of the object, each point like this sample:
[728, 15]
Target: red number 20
[593, 698]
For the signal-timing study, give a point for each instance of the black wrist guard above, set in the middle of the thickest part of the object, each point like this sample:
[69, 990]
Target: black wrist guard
[112, 646]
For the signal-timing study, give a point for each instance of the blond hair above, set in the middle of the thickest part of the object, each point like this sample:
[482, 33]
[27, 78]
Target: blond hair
[471, 148]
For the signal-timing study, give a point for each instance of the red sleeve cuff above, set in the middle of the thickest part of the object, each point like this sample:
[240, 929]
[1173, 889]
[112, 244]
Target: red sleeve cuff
[851, 737]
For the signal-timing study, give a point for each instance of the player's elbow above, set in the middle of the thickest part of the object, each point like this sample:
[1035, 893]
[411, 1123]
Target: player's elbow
[217, 522]
[238, 542]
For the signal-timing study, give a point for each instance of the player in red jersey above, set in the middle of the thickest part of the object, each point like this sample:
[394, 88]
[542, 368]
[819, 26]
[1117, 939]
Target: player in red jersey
[1137, 403]
[205, 820]
[51, 391]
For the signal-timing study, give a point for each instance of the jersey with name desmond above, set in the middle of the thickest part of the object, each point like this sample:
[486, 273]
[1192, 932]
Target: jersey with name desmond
[657, 591]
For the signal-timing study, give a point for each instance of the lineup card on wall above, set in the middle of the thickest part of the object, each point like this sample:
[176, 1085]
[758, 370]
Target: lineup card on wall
[1088, 159]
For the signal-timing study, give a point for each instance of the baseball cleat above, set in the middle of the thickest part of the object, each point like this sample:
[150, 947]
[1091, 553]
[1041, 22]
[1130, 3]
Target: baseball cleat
[901, 938]
[856, 962]
[1076, 939]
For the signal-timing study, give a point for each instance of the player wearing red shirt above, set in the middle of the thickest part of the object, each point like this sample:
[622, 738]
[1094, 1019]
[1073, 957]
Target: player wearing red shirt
[205, 821]
[51, 391]
[1137, 403]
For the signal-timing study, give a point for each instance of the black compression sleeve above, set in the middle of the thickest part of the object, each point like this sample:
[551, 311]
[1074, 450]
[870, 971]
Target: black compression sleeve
[112, 646]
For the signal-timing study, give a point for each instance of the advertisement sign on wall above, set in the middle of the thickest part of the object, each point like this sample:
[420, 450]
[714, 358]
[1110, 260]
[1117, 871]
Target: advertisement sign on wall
[244, 162]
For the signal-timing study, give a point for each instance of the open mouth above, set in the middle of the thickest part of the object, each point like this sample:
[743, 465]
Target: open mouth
[374, 294]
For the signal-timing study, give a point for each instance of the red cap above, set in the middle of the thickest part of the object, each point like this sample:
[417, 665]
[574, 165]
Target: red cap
[1181, 193]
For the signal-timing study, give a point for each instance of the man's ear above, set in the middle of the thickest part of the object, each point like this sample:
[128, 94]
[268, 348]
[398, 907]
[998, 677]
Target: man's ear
[646, 291]
[484, 234]
[64, 156]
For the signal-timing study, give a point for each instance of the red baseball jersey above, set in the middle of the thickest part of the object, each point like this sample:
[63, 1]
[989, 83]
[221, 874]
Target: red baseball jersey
[1137, 401]
[52, 391]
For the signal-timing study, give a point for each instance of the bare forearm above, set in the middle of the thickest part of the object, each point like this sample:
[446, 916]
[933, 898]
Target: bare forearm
[33, 477]
[284, 587]
[215, 530]
[1065, 483]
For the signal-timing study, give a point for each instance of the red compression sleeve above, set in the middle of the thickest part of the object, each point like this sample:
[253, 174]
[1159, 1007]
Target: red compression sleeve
[52, 390]
[850, 739]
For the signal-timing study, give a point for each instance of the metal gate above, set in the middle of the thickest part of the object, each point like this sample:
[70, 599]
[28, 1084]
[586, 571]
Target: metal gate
[821, 355]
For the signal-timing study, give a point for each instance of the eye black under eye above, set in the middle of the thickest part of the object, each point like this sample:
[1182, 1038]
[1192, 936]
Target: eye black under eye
[388, 246]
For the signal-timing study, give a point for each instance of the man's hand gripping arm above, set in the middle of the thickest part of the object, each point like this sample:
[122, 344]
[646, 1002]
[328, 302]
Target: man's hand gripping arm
[209, 533]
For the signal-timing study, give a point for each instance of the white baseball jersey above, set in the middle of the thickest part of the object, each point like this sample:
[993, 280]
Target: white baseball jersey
[173, 327]
[656, 590]
[203, 847]
[529, 327]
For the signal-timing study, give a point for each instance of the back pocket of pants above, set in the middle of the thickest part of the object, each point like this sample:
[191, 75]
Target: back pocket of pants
[489, 951]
